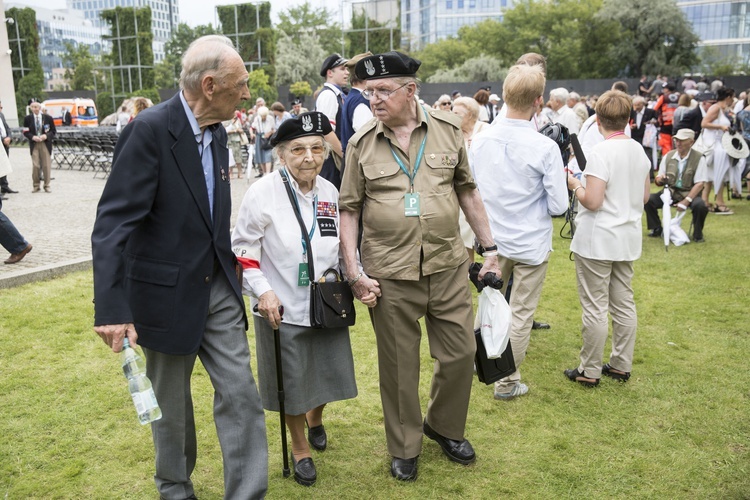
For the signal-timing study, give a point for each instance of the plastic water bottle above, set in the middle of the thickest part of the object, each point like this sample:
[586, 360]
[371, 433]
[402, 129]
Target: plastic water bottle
[144, 399]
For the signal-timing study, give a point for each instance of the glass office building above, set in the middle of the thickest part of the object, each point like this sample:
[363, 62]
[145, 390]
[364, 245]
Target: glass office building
[165, 16]
[724, 25]
[427, 21]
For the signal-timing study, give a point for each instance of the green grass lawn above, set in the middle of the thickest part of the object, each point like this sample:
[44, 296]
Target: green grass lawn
[680, 428]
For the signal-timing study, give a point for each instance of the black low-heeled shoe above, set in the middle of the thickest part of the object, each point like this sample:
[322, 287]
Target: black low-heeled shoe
[622, 377]
[404, 469]
[575, 376]
[304, 471]
[317, 437]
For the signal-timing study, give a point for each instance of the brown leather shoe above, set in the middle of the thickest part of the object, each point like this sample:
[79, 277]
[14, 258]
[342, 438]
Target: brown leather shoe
[17, 257]
[47, 190]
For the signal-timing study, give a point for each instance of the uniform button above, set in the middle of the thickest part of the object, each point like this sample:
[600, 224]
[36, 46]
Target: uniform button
[432, 157]
[207, 279]
[418, 243]
[382, 172]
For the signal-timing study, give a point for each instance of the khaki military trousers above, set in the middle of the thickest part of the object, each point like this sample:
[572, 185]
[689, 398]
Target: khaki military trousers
[444, 300]
[40, 159]
[605, 286]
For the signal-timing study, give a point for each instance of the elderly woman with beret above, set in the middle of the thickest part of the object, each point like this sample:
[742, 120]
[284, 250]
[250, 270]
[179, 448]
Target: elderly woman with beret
[317, 364]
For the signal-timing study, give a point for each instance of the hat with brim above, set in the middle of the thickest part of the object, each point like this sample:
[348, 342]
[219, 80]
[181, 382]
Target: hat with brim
[312, 123]
[684, 134]
[706, 95]
[735, 145]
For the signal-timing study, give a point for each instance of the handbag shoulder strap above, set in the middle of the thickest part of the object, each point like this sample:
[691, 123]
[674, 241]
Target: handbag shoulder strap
[303, 228]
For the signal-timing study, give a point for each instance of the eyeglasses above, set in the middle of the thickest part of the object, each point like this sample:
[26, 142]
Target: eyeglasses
[383, 94]
[445, 103]
[301, 150]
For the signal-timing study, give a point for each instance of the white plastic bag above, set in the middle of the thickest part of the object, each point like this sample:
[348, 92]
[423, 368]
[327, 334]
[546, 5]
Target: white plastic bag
[494, 319]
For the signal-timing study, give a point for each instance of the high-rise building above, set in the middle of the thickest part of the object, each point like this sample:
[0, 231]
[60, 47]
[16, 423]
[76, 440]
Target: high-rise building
[724, 25]
[165, 17]
[56, 28]
[427, 21]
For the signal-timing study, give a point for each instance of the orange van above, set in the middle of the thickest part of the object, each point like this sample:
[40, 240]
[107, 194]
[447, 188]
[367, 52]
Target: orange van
[82, 111]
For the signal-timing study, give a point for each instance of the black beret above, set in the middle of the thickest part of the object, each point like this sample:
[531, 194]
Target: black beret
[388, 65]
[312, 123]
[332, 61]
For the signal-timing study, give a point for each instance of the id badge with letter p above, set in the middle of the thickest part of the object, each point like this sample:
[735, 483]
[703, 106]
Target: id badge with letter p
[411, 205]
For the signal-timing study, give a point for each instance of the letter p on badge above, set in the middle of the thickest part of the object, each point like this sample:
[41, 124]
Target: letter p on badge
[411, 205]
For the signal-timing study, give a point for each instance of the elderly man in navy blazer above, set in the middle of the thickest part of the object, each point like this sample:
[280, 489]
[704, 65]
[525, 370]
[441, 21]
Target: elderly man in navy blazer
[165, 274]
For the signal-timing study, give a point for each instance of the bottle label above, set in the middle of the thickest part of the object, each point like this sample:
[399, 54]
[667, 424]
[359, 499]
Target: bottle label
[144, 401]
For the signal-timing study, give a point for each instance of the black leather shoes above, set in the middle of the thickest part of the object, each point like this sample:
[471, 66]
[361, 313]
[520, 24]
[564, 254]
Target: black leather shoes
[655, 233]
[304, 471]
[7, 190]
[458, 451]
[536, 325]
[317, 437]
[404, 469]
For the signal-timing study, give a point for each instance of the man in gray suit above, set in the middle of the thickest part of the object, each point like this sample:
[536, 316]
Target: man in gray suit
[5, 138]
[165, 274]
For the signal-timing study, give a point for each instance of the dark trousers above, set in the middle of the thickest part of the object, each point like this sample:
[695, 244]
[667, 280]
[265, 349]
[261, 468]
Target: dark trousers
[697, 207]
[330, 173]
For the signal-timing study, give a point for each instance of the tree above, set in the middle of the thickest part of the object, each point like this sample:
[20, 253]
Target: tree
[656, 36]
[249, 27]
[80, 66]
[258, 83]
[299, 59]
[134, 49]
[300, 89]
[377, 39]
[445, 54]
[28, 79]
[305, 20]
[575, 42]
[477, 69]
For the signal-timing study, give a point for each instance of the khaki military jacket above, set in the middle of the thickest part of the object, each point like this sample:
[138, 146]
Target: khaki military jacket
[395, 246]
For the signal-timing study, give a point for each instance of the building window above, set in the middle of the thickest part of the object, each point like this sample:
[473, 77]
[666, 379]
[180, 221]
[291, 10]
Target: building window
[448, 4]
[460, 4]
[472, 4]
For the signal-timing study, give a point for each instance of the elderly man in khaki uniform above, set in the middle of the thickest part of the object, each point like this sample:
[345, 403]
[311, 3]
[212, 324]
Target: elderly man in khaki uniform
[407, 174]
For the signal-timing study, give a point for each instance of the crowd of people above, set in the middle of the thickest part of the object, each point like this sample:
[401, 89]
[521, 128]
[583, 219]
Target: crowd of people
[394, 196]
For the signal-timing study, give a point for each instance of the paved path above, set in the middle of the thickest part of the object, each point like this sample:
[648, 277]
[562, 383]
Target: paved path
[58, 224]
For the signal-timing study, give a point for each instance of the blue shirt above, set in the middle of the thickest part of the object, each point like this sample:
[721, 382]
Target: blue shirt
[203, 140]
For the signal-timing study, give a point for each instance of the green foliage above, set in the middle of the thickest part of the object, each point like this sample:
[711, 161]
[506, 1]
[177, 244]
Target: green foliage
[104, 105]
[301, 89]
[712, 63]
[303, 20]
[567, 32]
[477, 69]
[152, 94]
[377, 39]
[299, 59]
[128, 51]
[258, 83]
[656, 37]
[80, 66]
[444, 54]
[251, 33]
[28, 79]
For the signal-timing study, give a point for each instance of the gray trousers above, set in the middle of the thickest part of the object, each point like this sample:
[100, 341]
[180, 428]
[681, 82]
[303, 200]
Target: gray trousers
[238, 414]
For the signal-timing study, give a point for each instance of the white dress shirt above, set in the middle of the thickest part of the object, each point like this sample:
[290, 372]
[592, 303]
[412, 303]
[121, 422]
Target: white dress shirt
[520, 176]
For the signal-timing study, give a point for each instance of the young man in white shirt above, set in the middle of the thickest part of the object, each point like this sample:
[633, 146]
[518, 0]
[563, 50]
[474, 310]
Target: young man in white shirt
[520, 176]
[330, 102]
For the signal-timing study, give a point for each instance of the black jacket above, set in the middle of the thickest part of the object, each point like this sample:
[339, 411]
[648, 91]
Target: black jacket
[637, 132]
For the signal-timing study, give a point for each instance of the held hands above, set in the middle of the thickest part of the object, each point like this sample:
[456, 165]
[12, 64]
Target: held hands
[268, 307]
[367, 291]
[113, 335]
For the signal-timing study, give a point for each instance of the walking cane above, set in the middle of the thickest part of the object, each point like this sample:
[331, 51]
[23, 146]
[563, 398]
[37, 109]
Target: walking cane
[280, 386]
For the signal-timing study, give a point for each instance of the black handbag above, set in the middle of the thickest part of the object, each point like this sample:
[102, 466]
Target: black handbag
[331, 302]
[492, 370]
[265, 143]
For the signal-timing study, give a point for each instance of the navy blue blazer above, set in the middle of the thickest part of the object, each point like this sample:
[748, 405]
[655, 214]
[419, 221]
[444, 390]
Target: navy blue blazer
[154, 243]
[29, 130]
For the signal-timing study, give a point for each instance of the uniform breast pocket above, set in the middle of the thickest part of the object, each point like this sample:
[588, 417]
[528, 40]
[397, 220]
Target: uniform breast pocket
[385, 180]
[442, 169]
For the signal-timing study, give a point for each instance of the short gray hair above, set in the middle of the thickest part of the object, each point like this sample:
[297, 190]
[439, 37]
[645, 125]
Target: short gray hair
[559, 94]
[207, 53]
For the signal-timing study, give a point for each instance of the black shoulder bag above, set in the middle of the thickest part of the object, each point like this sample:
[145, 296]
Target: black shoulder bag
[331, 302]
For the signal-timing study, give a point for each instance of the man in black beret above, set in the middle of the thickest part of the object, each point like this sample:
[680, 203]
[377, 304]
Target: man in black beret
[329, 102]
[407, 174]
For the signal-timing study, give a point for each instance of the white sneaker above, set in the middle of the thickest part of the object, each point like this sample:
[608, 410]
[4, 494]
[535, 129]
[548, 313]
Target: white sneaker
[518, 390]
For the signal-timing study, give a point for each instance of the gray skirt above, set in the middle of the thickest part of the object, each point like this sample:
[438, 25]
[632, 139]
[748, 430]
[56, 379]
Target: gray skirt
[317, 365]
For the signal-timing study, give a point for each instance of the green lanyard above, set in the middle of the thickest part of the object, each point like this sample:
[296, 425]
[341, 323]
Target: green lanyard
[420, 154]
[315, 220]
